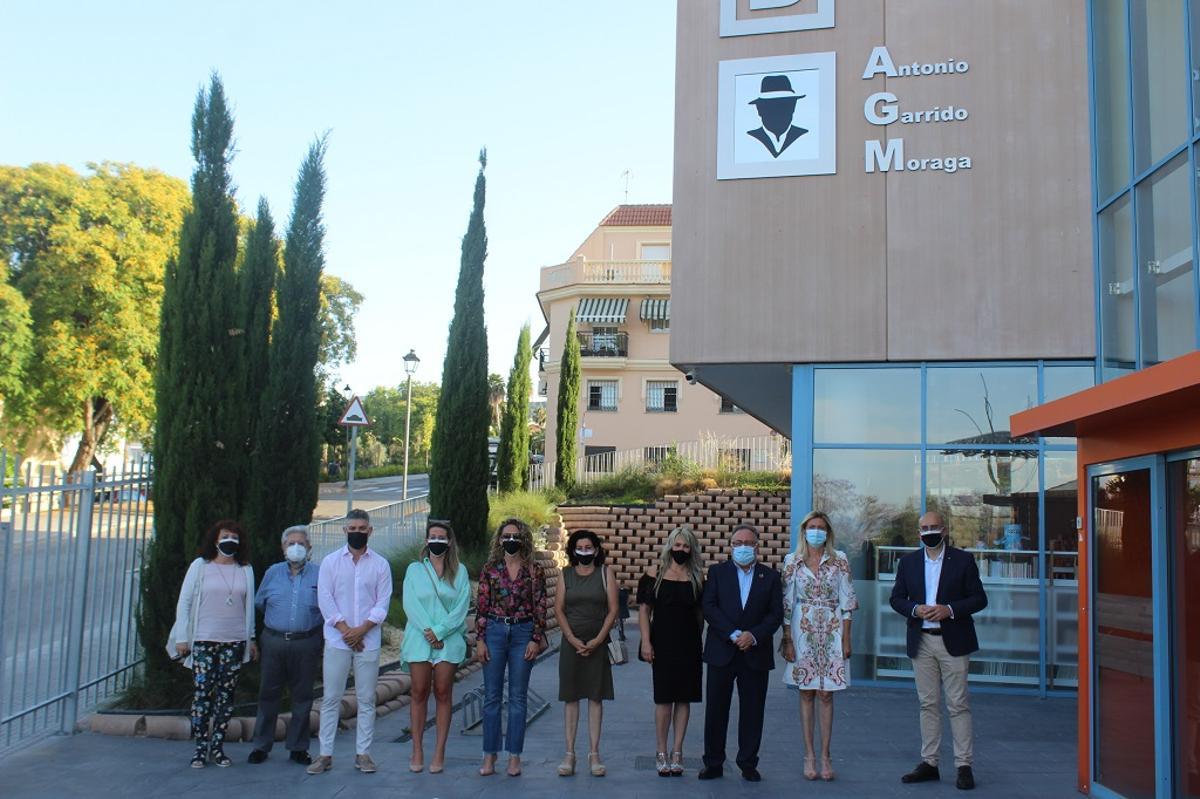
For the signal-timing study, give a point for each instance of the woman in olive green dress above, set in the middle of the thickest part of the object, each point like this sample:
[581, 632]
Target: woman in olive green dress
[586, 608]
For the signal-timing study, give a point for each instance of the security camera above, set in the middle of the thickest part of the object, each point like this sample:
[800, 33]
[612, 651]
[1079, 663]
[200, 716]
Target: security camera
[690, 376]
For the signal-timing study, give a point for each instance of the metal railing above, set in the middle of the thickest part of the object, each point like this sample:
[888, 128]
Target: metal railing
[603, 345]
[396, 526]
[71, 548]
[657, 273]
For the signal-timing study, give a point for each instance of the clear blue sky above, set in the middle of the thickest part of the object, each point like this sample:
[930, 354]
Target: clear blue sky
[564, 95]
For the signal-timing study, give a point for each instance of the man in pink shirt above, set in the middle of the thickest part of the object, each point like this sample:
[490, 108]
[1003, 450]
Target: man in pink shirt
[354, 588]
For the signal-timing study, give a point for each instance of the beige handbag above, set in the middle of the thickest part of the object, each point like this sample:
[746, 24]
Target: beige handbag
[618, 652]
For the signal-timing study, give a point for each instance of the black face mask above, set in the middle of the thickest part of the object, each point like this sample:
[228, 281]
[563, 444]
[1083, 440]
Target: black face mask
[511, 547]
[680, 556]
[931, 540]
[438, 547]
[585, 560]
[356, 540]
[228, 548]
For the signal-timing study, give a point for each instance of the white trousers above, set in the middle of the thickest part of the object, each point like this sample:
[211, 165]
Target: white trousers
[366, 674]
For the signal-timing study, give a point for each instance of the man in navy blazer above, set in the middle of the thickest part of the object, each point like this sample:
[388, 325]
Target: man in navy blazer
[937, 590]
[743, 605]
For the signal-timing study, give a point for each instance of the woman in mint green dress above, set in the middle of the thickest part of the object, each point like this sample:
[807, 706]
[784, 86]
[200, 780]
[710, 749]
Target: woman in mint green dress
[436, 596]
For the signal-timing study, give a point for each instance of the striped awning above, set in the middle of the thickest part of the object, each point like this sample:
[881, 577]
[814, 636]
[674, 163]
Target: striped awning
[602, 310]
[656, 310]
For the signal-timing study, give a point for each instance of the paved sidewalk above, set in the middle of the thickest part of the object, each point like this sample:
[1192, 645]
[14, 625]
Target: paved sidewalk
[1024, 748]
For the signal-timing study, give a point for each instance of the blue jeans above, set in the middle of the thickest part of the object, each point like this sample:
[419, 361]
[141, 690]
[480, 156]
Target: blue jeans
[506, 649]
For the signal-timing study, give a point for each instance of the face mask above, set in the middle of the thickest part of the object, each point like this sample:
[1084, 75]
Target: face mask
[932, 538]
[584, 558]
[743, 555]
[356, 540]
[815, 536]
[680, 556]
[228, 547]
[511, 546]
[296, 553]
[438, 548]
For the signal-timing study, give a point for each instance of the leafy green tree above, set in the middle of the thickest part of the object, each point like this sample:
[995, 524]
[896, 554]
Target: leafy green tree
[512, 458]
[195, 445]
[459, 475]
[339, 303]
[87, 255]
[286, 467]
[495, 402]
[567, 418]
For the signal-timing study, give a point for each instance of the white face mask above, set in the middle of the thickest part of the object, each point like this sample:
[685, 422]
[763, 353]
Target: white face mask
[296, 553]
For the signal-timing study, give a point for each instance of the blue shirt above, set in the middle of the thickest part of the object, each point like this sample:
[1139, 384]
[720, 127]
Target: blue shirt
[289, 600]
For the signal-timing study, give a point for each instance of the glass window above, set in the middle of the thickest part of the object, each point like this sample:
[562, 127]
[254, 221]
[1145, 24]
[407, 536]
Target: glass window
[1060, 381]
[1116, 289]
[990, 502]
[971, 405]
[662, 396]
[1168, 289]
[602, 395]
[660, 325]
[1184, 482]
[1123, 634]
[655, 252]
[873, 499]
[1194, 15]
[881, 406]
[1160, 79]
[727, 406]
[1111, 91]
[1062, 570]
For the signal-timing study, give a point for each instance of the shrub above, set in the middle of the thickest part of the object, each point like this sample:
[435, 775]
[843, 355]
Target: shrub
[535, 508]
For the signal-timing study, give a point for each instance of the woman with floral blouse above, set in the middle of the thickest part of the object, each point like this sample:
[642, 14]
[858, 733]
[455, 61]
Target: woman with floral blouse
[818, 598]
[510, 631]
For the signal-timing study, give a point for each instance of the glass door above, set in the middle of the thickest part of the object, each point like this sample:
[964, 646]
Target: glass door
[1123, 673]
[1183, 485]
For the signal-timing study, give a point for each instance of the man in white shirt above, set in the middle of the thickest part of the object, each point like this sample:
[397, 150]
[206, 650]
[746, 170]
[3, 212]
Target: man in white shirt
[937, 590]
[354, 588]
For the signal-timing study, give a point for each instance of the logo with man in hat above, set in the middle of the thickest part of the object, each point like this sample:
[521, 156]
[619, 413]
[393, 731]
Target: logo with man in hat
[776, 106]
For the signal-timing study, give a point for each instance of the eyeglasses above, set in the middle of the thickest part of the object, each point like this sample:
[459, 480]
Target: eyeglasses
[931, 528]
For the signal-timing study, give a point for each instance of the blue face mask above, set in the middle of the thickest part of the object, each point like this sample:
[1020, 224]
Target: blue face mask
[743, 555]
[815, 536]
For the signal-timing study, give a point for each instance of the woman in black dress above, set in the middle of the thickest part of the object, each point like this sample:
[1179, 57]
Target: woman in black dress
[671, 621]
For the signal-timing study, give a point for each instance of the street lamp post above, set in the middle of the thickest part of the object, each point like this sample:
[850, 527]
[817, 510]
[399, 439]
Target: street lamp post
[411, 361]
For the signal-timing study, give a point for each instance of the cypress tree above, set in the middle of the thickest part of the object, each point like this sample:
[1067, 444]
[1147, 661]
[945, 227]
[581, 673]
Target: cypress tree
[459, 472]
[196, 477]
[286, 463]
[512, 458]
[256, 279]
[567, 417]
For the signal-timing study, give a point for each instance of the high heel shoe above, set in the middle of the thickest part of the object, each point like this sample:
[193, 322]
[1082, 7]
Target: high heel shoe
[567, 767]
[810, 767]
[677, 764]
[661, 765]
[597, 768]
[827, 769]
[487, 769]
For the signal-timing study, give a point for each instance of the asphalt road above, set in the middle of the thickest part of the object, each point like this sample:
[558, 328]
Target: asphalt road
[378, 490]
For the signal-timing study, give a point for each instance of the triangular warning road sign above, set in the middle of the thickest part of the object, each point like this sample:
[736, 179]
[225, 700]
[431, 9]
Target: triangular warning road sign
[354, 415]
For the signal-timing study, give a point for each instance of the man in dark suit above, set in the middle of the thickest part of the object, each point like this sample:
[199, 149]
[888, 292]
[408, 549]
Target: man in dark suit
[938, 589]
[743, 605]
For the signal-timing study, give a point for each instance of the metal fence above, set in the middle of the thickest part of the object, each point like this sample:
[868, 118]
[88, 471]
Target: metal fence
[396, 525]
[71, 549]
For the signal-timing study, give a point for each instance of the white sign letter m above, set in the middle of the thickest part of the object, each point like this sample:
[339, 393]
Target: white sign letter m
[885, 160]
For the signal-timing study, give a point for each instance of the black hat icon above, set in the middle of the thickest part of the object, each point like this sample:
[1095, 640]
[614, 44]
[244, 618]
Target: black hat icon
[775, 87]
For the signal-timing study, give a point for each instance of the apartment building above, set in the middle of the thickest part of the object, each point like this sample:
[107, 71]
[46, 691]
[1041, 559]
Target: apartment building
[618, 282]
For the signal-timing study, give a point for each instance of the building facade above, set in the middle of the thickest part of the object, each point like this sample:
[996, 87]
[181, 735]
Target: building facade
[632, 400]
[966, 213]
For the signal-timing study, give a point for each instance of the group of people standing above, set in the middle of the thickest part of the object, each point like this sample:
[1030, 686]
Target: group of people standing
[742, 600]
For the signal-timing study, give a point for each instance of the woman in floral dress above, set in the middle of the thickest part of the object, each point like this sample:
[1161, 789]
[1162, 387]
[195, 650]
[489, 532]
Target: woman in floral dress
[818, 598]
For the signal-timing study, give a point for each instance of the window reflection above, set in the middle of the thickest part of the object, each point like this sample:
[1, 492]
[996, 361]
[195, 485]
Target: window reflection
[1111, 91]
[877, 405]
[1160, 79]
[1167, 290]
[1061, 381]
[1062, 570]
[1184, 481]
[1116, 288]
[971, 406]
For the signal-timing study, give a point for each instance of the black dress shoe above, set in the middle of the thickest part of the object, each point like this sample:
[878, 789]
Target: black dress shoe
[257, 756]
[303, 758]
[711, 773]
[922, 773]
[750, 774]
[966, 779]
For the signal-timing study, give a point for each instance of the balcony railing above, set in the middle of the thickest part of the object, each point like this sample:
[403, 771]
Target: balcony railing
[603, 345]
[607, 273]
